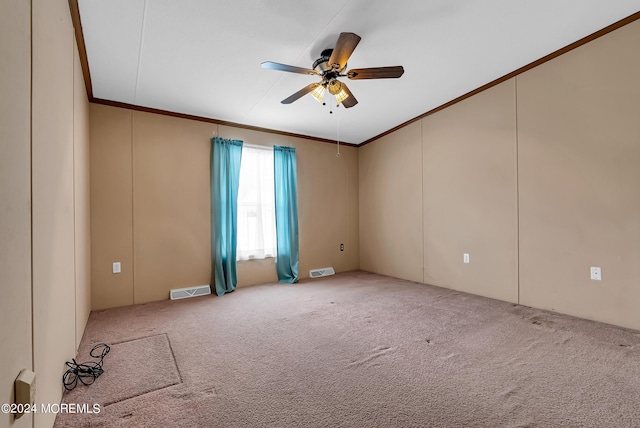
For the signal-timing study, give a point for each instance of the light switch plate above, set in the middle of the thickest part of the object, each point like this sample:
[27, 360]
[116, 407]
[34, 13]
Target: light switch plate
[596, 273]
[116, 267]
[465, 258]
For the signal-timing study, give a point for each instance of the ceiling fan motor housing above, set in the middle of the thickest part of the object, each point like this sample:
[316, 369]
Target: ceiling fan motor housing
[322, 66]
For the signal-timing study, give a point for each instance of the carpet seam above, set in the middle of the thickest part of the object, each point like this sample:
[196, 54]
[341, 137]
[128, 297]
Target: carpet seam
[140, 338]
[140, 395]
[175, 364]
[173, 355]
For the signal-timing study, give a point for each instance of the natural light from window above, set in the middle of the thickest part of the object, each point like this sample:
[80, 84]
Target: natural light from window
[256, 211]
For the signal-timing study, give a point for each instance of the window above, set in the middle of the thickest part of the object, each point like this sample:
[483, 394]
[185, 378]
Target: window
[256, 212]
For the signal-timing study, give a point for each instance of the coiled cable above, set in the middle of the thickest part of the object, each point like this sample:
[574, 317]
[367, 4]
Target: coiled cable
[87, 372]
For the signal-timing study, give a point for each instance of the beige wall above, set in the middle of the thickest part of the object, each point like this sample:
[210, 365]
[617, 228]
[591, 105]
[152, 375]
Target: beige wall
[44, 200]
[54, 326]
[81, 188]
[170, 205]
[327, 206]
[469, 198]
[150, 205]
[15, 200]
[391, 204]
[111, 206]
[60, 217]
[579, 163]
[536, 178]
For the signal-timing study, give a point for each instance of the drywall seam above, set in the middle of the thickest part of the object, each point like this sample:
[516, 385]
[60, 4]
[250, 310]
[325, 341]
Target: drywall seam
[144, 15]
[515, 93]
[73, 189]
[133, 217]
[422, 192]
[33, 332]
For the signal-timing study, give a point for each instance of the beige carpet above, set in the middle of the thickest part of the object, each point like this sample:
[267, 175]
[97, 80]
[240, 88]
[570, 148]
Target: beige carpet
[358, 350]
[136, 367]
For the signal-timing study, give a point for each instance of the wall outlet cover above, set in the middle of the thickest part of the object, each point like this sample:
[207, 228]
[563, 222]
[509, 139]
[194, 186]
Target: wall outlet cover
[25, 389]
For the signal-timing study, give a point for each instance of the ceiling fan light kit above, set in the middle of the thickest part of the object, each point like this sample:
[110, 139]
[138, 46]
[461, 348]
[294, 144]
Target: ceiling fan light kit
[341, 96]
[318, 92]
[330, 66]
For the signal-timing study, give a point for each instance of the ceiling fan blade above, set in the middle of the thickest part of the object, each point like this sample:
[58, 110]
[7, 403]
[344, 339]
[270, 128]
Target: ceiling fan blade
[300, 93]
[290, 68]
[350, 101]
[376, 73]
[347, 42]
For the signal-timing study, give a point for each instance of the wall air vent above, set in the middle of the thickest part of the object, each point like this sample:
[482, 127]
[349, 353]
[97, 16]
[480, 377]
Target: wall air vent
[317, 273]
[183, 293]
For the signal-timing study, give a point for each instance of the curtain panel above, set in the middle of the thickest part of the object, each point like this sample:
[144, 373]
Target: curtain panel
[225, 177]
[286, 201]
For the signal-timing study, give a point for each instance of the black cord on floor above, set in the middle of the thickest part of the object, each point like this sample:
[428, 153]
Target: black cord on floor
[87, 372]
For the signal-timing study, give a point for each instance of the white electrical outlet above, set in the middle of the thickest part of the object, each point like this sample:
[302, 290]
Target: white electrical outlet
[596, 273]
[116, 267]
[465, 257]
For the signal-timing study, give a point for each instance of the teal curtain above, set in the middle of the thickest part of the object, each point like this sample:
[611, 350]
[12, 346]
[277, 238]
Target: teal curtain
[225, 179]
[286, 200]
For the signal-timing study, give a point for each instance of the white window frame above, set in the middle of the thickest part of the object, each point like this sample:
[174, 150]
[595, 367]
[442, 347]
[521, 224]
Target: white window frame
[257, 232]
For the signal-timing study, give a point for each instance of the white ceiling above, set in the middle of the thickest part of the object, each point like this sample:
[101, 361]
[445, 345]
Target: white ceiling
[202, 57]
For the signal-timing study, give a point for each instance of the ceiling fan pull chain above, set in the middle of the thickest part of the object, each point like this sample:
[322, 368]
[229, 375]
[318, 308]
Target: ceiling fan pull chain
[338, 135]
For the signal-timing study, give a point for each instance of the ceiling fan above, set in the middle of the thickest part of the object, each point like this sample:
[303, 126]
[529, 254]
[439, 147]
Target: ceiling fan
[330, 66]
